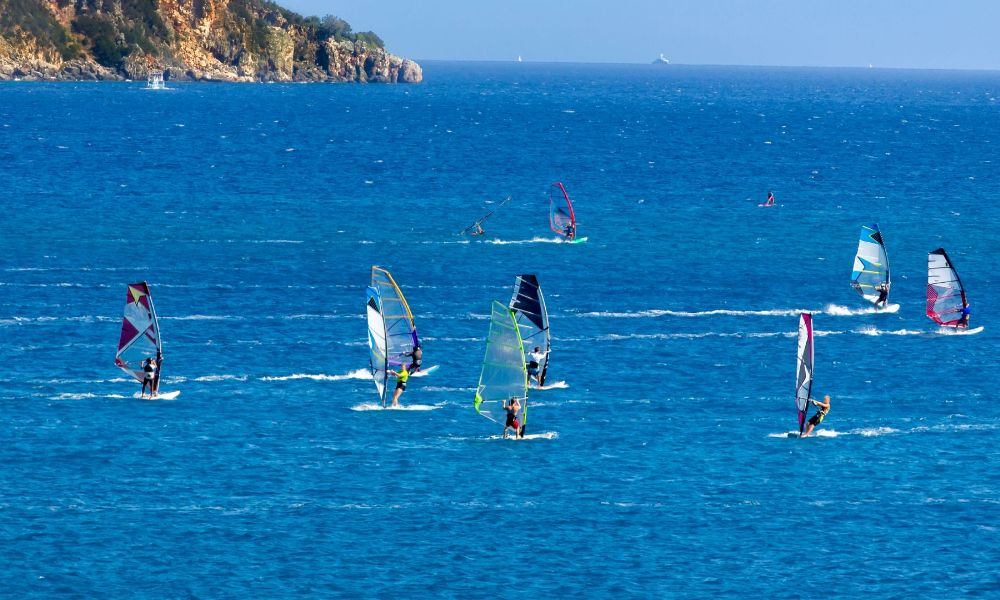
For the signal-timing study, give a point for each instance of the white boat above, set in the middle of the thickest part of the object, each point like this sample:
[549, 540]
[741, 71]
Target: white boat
[155, 81]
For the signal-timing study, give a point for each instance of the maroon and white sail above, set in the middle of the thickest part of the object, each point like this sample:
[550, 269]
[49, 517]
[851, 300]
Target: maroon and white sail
[140, 337]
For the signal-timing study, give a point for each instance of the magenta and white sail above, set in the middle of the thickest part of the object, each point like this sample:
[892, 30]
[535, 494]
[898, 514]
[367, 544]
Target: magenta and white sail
[140, 336]
[946, 301]
[804, 368]
[562, 220]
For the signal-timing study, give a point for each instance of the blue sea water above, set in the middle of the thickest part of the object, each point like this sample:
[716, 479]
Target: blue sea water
[256, 212]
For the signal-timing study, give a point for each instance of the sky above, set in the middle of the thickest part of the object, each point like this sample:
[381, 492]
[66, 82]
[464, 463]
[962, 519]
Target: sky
[941, 34]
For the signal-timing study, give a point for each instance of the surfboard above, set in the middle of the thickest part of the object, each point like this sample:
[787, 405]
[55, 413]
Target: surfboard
[425, 372]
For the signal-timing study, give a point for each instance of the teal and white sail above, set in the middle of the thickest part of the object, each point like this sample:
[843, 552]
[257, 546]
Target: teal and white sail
[871, 265]
[379, 361]
[504, 375]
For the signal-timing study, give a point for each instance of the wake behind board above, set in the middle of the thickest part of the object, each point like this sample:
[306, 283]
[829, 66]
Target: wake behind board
[425, 372]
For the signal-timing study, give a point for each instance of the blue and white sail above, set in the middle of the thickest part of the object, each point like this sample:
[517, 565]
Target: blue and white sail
[871, 265]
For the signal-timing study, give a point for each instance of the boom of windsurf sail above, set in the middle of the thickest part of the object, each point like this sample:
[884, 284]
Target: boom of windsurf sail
[503, 376]
[140, 336]
[479, 223]
[399, 328]
[378, 360]
[528, 306]
[562, 220]
[871, 264]
[945, 294]
[804, 368]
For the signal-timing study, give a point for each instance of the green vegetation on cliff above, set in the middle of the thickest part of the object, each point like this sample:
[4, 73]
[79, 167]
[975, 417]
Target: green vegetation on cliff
[253, 39]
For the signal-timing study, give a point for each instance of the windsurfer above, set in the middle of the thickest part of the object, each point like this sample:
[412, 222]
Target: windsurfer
[535, 359]
[416, 355]
[513, 406]
[149, 369]
[883, 295]
[816, 419]
[770, 199]
[570, 231]
[964, 320]
[478, 230]
[155, 388]
[401, 377]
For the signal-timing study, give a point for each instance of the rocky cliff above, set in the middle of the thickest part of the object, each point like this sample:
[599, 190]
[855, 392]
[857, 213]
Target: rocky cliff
[203, 40]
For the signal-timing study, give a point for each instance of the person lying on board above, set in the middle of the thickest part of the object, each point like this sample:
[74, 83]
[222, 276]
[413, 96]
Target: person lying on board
[513, 406]
[816, 419]
[149, 373]
[401, 376]
[883, 295]
[417, 356]
[964, 321]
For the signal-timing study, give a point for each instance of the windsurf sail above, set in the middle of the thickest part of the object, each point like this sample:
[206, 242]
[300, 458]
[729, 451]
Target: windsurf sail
[140, 336]
[471, 229]
[562, 220]
[503, 375]
[400, 330]
[945, 294]
[871, 265]
[528, 306]
[804, 368]
[378, 361]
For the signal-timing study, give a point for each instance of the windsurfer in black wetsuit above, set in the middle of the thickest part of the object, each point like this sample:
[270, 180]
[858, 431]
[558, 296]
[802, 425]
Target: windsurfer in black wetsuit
[155, 389]
[883, 295]
[770, 199]
[149, 374]
[416, 357]
[816, 419]
[570, 231]
[513, 406]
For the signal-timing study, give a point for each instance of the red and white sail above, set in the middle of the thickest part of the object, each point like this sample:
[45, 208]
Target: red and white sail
[946, 299]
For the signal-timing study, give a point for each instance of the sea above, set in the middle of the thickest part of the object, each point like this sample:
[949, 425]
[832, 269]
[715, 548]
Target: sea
[663, 462]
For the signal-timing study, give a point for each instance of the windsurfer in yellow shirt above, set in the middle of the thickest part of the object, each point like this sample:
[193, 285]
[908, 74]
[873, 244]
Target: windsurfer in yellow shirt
[401, 377]
[816, 419]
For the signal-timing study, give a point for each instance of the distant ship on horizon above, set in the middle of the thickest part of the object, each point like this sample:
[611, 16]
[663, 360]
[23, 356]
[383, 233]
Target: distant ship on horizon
[663, 60]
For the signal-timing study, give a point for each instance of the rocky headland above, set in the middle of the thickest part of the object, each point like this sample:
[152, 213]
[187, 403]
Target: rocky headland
[189, 40]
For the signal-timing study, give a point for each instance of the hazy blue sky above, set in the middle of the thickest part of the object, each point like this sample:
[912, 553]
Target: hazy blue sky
[901, 33]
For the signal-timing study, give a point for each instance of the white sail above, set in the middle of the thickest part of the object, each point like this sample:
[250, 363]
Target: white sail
[378, 361]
